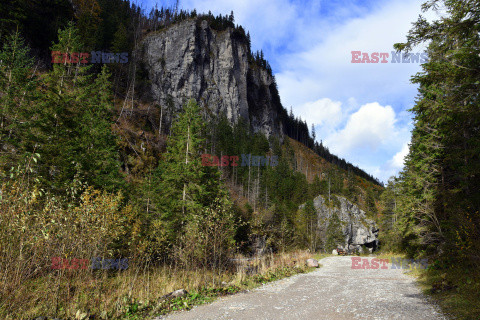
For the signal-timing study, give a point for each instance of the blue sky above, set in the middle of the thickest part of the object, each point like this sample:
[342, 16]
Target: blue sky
[359, 110]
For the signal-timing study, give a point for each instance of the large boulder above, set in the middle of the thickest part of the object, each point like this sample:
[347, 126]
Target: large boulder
[175, 294]
[312, 263]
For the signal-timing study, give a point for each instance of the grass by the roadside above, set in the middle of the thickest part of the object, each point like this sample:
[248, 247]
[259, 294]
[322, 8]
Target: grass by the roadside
[456, 289]
[136, 293]
[386, 255]
[267, 269]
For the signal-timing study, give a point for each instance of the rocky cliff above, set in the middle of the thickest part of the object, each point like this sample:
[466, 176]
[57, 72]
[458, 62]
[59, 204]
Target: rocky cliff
[357, 229]
[190, 59]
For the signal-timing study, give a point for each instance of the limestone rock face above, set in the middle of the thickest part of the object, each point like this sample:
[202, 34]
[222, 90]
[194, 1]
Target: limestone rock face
[357, 229]
[189, 59]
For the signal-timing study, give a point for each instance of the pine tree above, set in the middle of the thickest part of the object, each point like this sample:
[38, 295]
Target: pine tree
[13, 16]
[334, 233]
[389, 237]
[351, 189]
[88, 20]
[121, 41]
[74, 132]
[98, 150]
[17, 86]
[186, 187]
[307, 226]
[371, 204]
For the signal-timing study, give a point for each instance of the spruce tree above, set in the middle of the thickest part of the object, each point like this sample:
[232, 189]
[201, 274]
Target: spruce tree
[307, 226]
[17, 95]
[75, 122]
[334, 233]
[186, 187]
[98, 149]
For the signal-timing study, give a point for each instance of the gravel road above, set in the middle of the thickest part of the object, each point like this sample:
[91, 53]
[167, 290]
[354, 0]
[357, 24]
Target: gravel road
[335, 291]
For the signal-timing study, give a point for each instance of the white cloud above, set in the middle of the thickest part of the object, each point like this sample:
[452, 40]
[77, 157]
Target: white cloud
[323, 112]
[398, 159]
[394, 165]
[371, 137]
[368, 128]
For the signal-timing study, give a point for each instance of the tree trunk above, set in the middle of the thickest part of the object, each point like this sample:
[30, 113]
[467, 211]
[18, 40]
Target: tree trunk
[186, 162]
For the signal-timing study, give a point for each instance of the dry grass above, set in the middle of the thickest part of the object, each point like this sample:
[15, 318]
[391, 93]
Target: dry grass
[114, 294]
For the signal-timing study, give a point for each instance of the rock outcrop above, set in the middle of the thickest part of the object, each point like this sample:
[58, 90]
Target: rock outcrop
[189, 59]
[357, 229]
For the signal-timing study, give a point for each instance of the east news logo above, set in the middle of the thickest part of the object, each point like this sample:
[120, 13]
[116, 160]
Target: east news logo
[397, 263]
[397, 57]
[96, 57]
[247, 160]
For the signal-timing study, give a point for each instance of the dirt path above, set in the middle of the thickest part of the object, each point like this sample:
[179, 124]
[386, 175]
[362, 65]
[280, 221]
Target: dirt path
[335, 291]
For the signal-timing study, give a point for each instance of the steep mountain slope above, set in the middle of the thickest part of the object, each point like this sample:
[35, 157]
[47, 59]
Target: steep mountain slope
[190, 59]
[210, 60]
